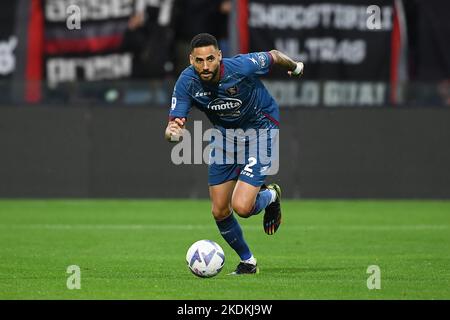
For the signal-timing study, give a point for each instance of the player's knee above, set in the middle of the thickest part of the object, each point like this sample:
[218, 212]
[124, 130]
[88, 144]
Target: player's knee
[220, 213]
[242, 209]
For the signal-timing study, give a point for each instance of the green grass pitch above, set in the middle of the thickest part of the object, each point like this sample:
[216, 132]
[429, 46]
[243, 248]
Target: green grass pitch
[135, 249]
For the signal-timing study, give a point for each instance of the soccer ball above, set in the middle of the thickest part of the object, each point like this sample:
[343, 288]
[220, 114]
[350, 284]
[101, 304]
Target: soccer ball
[205, 258]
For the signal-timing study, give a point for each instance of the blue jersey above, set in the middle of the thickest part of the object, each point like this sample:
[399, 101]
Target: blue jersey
[238, 100]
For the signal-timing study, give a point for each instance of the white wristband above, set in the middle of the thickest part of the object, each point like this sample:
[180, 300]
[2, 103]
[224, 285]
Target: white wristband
[299, 69]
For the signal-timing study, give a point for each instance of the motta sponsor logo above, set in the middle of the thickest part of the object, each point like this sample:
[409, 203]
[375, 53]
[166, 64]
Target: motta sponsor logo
[221, 104]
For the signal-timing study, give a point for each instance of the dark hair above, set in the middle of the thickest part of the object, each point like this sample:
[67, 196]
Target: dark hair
[203, 40]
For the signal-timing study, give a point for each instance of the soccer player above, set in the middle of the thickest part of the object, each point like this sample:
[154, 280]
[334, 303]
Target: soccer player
[230, 93]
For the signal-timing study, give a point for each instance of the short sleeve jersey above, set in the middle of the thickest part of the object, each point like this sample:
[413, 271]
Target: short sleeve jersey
[238, 100]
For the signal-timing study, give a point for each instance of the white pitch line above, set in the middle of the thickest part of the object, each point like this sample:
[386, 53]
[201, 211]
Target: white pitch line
[204, 226]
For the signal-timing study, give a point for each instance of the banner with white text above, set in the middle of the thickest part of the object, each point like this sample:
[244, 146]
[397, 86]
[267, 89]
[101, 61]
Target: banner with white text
[345, 46]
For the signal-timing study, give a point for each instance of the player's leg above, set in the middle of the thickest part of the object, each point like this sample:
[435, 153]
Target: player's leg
[226, 222]
[248, 200]
[245, 199]
[251, 196]
[221, 199]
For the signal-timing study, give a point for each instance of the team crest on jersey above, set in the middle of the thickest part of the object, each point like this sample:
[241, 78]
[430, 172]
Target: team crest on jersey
[232, 91]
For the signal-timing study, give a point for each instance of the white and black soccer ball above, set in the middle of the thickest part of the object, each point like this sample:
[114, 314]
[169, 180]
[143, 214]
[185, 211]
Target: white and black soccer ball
[205, 258]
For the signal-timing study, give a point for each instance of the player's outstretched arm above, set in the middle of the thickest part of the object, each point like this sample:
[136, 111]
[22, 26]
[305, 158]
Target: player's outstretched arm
[174, 129]
[294, 68]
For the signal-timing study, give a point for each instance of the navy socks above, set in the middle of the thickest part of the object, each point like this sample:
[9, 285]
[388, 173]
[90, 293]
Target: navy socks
[232, 233]
[231, 230]
[263, 199]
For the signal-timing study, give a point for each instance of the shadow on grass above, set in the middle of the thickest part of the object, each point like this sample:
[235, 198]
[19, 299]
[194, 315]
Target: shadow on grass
[293, 270]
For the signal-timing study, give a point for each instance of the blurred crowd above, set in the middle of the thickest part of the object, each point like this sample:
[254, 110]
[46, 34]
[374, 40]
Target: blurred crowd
[151, 43]
[146, 43]
[211, 16]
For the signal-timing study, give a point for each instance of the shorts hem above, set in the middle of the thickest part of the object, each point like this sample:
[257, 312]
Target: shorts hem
[217, 183]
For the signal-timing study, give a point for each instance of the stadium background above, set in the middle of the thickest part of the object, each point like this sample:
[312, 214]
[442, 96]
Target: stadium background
[83, 111]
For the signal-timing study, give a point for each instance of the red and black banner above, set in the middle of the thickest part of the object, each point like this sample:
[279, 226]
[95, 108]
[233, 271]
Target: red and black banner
[114, 39]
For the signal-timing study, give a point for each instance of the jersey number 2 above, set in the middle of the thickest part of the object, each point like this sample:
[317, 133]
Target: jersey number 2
[251, 162]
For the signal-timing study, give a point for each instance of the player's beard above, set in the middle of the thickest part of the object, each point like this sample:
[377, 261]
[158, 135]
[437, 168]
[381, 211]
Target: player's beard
[213, 75]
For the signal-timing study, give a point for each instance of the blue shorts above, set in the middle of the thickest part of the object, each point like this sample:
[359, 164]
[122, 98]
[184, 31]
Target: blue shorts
[250, 160]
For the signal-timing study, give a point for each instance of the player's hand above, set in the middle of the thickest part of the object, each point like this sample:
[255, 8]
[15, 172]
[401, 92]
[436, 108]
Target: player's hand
[298, 71]
[174, 129]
